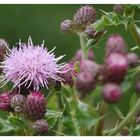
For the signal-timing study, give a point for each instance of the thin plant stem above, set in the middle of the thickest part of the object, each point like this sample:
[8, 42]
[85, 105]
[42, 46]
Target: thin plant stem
[83, 46]
[126, 119]
[100, 125]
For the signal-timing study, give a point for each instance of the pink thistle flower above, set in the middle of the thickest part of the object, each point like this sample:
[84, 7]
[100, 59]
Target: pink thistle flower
[30, 64]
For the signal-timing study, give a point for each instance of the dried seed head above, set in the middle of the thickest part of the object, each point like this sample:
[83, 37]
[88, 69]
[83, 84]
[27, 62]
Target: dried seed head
[84, 16]
[35, 106]
[111, 92]
[66, 26]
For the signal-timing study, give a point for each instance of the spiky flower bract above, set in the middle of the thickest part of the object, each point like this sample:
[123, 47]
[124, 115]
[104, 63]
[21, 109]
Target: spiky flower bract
[40, 126]
[30, 64]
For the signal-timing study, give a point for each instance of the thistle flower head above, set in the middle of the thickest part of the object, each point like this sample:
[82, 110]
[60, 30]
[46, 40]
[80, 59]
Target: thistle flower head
[29, 65]
[118, 8]
[116, 67]
[111, 92]
[85, 82]
[17, 102]
[85, 15]
[40, 126]
[132, 59]
[69, 75]
[5, 99]
[66, 26]
[115, 44]
[35, 106]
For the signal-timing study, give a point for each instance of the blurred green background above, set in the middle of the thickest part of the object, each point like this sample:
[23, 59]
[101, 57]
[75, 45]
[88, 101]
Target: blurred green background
[42, 22]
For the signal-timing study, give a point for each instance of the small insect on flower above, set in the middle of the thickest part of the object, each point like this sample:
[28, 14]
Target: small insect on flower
[30, 64]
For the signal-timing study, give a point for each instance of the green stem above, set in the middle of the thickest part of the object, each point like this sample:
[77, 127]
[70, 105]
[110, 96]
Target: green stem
[60, 127]
[134, 33]
[126, 120]
[83, 46]
[100, 125]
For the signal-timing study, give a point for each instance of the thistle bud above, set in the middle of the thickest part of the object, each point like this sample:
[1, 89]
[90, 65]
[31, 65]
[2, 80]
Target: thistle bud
[115, 44]
[3, 47]
[138, 120]
[35, 106]
[78, 55]
[40, 126]
[132, 59]
[66, 26]
[115, 68]
[89, 66]
[137, 87]
[5, 100]
[111, 93]
[17, 102]
[69, 74]
[85, 83]
[118, 8]
[84, 16]
[89, 32]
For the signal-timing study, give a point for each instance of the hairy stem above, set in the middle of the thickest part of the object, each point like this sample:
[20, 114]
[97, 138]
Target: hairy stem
[126, 120]
[100, 125]
[83, 46]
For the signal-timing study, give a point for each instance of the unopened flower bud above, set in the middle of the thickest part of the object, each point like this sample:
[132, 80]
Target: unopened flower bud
[115, 68]
[5, 100]
[66, 26]
[132, 59]
[89, 32]
[85, 83]
[3, 48]
[78, 55]
[35, 106]
[70, 73]
[137, 87]
[89, 66]
[118, 8]
[84, 16]
[17, 102]
[115, 44]
[40, 126]
[111, 92]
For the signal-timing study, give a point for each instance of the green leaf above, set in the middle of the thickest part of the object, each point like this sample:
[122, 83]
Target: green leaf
[85, 119]
[135, 131]
[52, 118]
[6, 128]
[17, 122]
